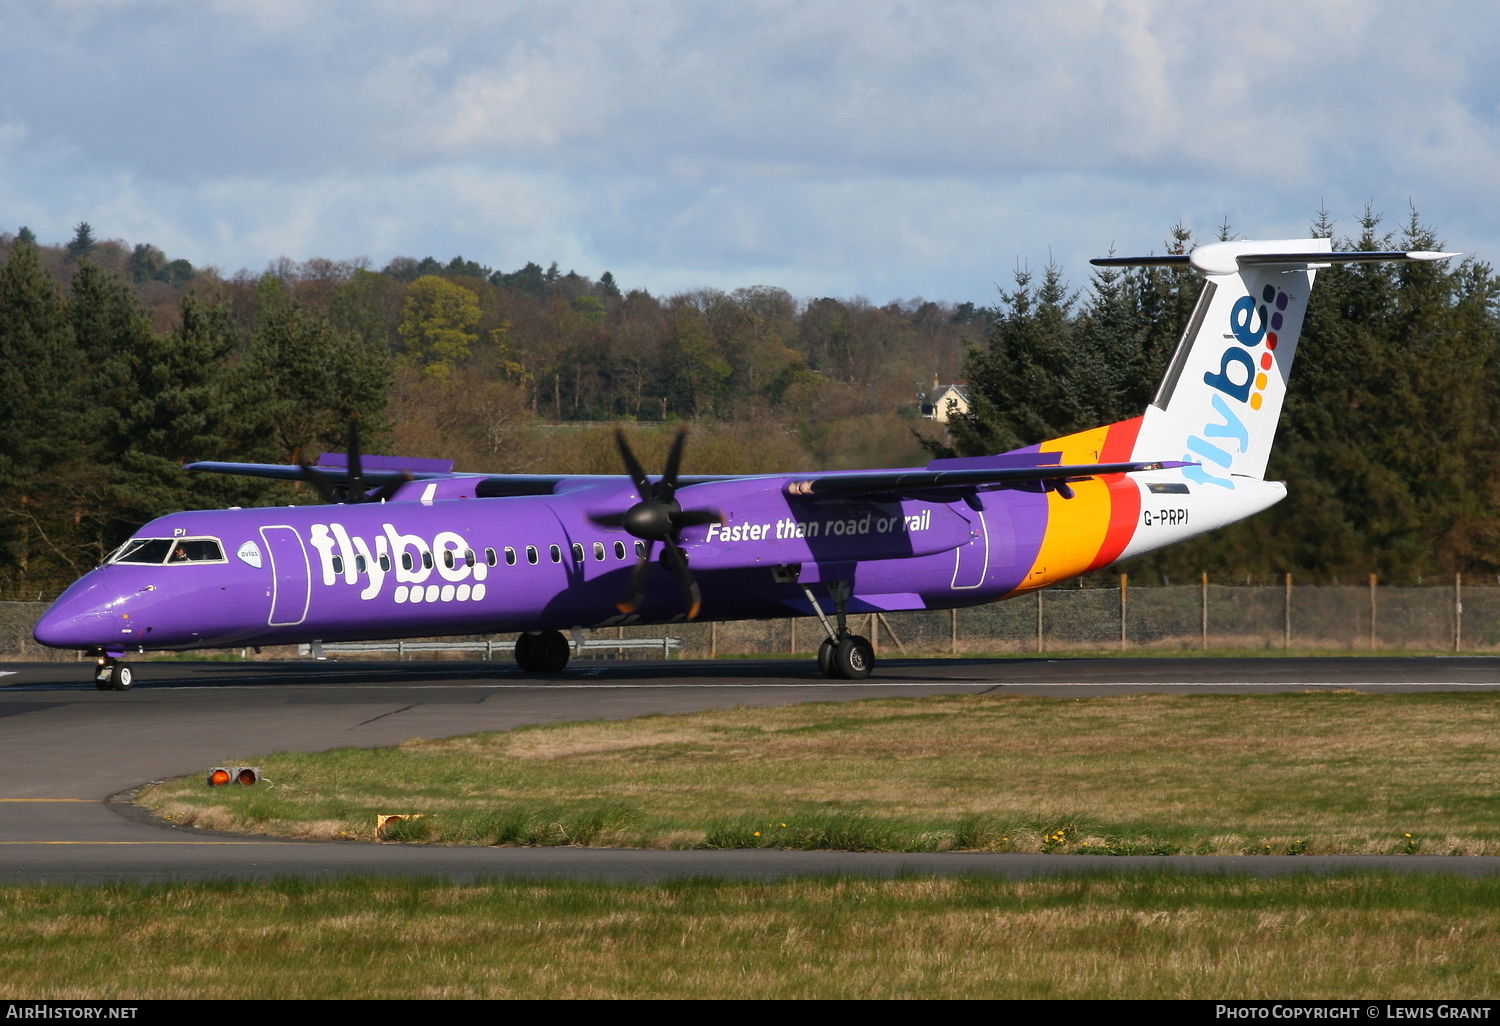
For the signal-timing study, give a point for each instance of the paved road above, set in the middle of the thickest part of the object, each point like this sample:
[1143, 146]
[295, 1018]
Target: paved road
[65, 748]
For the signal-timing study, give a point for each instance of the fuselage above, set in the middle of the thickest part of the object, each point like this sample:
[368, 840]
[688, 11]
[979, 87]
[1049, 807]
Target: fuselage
[448, 563]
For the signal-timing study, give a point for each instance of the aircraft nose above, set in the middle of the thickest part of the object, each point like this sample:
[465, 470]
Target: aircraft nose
[85, 630]
[73, 621]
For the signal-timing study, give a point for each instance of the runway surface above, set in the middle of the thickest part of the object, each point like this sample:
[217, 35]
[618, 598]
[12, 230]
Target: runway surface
[66, 748]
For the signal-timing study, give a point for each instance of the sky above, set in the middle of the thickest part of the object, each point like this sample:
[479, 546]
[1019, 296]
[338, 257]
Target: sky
[880, 149]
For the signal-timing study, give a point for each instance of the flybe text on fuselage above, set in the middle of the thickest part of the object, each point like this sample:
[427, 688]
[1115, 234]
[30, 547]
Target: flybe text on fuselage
[408, 558]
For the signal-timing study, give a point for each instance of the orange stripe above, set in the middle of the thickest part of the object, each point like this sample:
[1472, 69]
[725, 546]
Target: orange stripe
[1124, 495]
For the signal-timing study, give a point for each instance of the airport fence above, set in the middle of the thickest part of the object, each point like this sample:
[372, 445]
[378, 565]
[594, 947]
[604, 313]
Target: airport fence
[1452, 617]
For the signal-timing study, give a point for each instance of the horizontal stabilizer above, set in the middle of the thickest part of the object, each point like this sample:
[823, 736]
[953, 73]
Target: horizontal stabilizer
[907, 481]
[1230, 257]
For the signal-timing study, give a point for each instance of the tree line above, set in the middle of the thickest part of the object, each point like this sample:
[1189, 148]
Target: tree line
[121, 364]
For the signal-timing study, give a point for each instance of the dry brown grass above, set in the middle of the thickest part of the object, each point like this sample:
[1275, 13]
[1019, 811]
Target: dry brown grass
[1154, 936]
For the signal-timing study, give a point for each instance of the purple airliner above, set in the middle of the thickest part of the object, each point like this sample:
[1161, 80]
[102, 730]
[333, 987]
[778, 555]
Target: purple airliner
[408, 548]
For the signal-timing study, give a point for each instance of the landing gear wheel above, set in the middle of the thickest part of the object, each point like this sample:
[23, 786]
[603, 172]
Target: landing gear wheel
[825, 658]
[853, 658]
[123, 678]
[547, 652]
[550, 652]
[524, 644]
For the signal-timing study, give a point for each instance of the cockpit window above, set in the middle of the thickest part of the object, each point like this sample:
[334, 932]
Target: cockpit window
[196, 550]
[157, 551]
[144, 550]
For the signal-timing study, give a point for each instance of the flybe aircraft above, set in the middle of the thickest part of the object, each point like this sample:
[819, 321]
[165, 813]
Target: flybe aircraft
[408, 548]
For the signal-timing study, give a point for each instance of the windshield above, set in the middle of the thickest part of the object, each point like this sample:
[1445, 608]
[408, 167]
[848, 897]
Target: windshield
[144, 550]
[170, 550]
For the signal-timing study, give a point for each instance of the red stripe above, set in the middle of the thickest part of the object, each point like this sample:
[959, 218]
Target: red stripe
[1124, 496]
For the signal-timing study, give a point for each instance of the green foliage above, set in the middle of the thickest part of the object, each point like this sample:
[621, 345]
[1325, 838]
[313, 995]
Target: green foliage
[437, 325]
[83, 241]
[311, 380]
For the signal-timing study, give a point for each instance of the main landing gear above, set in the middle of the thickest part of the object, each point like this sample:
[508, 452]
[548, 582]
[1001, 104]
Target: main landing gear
[841, 656]
[543, 652]
[112, 675]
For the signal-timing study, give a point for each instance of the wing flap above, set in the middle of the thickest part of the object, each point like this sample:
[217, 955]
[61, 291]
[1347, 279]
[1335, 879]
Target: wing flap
[905, 482]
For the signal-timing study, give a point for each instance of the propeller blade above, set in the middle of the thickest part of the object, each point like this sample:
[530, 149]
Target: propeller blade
[355, 465]
[674, 460]
[636, 593]
[633, 466]
[608, 519]
[386, 490]
[673, 555]
[696, 518]
[319, 482]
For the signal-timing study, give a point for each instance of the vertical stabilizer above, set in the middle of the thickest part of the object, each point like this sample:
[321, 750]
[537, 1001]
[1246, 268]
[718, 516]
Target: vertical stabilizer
[1223, 390]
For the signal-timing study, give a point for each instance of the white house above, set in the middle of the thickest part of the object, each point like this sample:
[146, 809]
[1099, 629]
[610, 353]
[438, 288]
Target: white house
[944, 401]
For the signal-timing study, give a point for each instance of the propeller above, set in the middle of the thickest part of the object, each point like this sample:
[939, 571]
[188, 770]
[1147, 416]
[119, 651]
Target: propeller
[658, 517]
[352, 489]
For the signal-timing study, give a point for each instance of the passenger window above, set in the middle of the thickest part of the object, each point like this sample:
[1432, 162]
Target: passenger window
[338, 564]
[531, 554]
[577, 553]
[619, 550]
[427, 560]
[406, 560]
[448, 558]
[489, 557]
[598, 550]
[359, 564]
[468, 557]
[556, 553]
[640, 549]
[385, 563]
[510, 556]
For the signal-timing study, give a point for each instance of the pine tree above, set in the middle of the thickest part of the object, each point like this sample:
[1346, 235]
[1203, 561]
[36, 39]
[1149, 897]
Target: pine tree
[45, 460]
[83, 241]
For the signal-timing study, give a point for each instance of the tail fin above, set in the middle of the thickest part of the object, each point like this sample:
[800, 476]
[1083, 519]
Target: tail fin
[1221, 396]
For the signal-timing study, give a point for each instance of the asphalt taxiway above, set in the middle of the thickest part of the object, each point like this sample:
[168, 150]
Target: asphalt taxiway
[66, 748]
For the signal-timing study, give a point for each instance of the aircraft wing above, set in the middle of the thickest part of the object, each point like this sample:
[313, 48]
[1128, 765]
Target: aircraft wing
[904, 482]
[284, 472]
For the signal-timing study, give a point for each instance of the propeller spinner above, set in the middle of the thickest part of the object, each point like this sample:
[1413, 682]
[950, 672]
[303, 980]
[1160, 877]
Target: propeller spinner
[658, 517]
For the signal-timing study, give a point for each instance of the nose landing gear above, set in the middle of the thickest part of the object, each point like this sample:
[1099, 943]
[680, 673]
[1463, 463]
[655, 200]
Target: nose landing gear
[112, 675]
[841, 656]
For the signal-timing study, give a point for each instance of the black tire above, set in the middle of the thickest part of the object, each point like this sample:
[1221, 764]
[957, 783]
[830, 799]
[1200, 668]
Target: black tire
[123, 678]
[853, 658]
[103, 685]
[524, 646]
[825, 658]
[550, 652]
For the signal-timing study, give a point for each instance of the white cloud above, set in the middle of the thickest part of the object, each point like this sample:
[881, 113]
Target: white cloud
[883, 148]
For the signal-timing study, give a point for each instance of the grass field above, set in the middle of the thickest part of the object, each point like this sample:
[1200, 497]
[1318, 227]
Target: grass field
[1314, 773]
[1118, 937]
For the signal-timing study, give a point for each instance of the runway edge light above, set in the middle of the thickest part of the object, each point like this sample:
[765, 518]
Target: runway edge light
[221, 775]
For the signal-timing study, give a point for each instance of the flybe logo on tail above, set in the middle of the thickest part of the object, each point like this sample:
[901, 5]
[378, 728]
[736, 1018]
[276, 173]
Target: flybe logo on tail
[1242, 377]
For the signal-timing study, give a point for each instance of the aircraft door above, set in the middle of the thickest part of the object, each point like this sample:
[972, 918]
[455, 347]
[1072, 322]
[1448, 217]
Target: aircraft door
[972, 560]
[291, 576]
